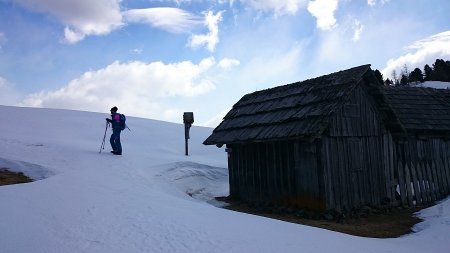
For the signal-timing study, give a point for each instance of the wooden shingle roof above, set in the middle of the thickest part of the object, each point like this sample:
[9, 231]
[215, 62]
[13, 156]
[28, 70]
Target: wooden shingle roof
[420, 109]
[296, 110]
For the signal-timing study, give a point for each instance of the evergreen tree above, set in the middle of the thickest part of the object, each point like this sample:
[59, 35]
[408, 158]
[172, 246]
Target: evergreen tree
[388, 82]
[441, 70]
[416, 76]
[428, 73]
[404, 80]
[379, 76]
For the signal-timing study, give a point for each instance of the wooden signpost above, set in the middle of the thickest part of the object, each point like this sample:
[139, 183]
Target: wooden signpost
[188, 119]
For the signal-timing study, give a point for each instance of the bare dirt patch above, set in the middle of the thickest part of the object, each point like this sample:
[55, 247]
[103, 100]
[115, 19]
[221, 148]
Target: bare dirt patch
[386, 223]
[7, 177]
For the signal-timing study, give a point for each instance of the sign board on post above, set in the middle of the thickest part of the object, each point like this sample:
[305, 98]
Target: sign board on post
[188, 119]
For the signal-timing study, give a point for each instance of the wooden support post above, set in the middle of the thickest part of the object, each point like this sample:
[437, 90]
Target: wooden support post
[188, 119]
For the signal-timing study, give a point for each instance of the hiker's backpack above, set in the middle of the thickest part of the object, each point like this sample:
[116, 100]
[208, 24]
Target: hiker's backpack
[122, 122]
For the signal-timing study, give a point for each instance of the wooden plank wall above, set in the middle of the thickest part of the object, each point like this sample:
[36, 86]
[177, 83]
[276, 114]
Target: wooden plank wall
[277, 173]
[422, 171]
[353, 155]
[357, 117]
[353, 172]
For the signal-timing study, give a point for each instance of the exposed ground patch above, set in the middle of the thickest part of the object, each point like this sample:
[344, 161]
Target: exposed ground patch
[388, 223]
[8, 177]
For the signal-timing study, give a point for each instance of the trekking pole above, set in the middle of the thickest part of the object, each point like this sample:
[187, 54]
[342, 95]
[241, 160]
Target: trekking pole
[104, 136]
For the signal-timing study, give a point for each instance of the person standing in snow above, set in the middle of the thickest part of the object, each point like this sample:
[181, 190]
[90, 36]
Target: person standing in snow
[116, 128]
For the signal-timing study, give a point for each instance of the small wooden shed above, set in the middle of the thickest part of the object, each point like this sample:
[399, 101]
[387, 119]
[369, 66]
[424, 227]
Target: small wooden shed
[328, 142]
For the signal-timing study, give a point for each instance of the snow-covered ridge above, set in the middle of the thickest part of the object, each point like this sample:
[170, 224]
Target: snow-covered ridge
[434, 84]
[153, 198]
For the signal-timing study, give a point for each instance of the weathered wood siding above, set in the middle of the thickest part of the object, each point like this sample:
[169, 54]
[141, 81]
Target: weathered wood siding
[357, 117]
[352, 155]
[422, 170]
[353, 171]
[282, 173]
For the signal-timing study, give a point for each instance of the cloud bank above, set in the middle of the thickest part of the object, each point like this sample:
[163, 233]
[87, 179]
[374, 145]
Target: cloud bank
[139, 88]
[82, 17]
[174, 20]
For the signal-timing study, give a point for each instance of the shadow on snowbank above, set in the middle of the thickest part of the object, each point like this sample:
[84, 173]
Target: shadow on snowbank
[201, 182]
[29, 170]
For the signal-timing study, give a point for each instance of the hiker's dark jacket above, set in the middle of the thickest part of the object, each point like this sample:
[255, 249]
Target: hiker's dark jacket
[115, 121]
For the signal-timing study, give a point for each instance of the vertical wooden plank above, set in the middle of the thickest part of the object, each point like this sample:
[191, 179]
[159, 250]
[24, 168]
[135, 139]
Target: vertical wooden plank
[415, 185]
[269, 171]
[255, 172]
[437, 168]
[422, 195]
[335, 181]
[289, 158]
[445, 151]
[242, 183]
[430, 182]
[414, 181]
[388, 168]
[230, 171]
[442, 154]
[439, 153]
[426, 196]
[437, 189]
[237, 170]
[371, 170]
[379, 170]
[446, 162]
[252, 170]
[326, 174]
[440, 164]
[445, 187]
[339, 156]
[402, 186]
[285, 165]
[296, 170]
[408, 184]
[279, 170]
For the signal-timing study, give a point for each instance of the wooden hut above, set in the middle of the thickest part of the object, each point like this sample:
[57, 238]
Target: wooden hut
[419, 162]
[324, 143]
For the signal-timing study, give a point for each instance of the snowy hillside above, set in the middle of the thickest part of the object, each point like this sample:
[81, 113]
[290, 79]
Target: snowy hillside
[84, 201]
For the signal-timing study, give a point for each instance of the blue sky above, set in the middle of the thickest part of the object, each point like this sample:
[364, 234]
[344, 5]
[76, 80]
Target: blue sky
[157, 59]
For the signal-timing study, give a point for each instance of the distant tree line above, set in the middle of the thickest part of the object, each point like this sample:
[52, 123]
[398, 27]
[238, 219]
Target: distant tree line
[440, 71]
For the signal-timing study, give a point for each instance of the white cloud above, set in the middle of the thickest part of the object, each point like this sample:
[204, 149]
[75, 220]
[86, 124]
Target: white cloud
[173, 20]
[421, 52]
[71, 36]
[82, 17]
[323, 11]
[138, 88]
[279, 7]
[228, 63]
[357, 30]
[212, 37]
